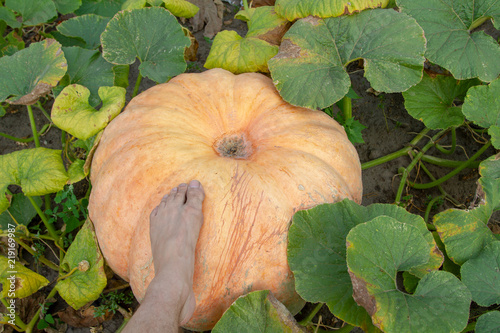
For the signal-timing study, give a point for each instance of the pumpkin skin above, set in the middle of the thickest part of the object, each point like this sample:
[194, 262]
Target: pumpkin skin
[259, 160]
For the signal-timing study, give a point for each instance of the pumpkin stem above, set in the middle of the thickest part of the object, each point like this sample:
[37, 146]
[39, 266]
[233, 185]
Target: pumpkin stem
[234, 146]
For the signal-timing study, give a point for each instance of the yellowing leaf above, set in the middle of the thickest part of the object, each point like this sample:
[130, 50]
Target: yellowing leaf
[71, 110]
[294, 9]
[18, 281]
[181, 8]
[83, 285]
[38, 171]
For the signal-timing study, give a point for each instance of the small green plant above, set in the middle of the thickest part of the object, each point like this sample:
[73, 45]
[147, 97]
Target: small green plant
[69, 210]
[112, 301]
[434, 203]
[46, 319]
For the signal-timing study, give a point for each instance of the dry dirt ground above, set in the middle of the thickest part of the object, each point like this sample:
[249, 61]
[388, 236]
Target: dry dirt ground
[389, 128]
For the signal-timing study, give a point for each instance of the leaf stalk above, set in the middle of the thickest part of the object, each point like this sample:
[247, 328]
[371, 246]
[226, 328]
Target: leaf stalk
[33, 126]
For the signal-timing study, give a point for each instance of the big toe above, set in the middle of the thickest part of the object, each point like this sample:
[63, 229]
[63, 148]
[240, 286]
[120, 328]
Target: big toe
[195, 194]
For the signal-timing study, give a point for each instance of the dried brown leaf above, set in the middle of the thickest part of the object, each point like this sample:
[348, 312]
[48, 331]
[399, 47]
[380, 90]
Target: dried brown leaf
[209, 17]
[83, 317]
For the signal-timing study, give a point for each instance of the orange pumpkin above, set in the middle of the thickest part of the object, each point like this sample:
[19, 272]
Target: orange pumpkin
[259, 159]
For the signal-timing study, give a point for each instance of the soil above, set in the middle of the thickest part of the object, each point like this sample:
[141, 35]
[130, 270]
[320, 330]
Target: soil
[389, 128]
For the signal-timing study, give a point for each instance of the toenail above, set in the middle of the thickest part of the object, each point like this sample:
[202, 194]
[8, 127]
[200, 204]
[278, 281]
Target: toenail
[174, 189]
[194, 183]
[183, 185]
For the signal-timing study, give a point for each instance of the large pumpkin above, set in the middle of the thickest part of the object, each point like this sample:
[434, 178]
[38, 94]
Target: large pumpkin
[259, 160]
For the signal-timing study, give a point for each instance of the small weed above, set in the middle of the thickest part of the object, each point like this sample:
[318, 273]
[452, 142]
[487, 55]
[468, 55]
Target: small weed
[406, 200]
[436, 203]
[111, 302]
[192, 65]
[46, 319]
[70, 210]
[39, 249]
[381, 101]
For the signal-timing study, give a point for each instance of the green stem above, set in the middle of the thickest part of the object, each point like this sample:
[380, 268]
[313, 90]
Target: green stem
[452, 173]
[41, 258]
[399, 153]
[16, 139]
[25, 140]
[478, 22]
[453, 143]
[307, 320]
[126, 317]
[47, 201]
[39, 105]
[33, 126]
[447, 163]
[245, 5]
[429, 208]
[49, 226]
[21, 325]
[35, 318]
[410, 167]
[137, 84]
[68, 274]
[345, 105]
[440, 188]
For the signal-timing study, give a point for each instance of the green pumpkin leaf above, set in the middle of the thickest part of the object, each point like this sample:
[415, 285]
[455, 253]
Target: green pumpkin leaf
[482, 275]
[494, 132]
[432, 100]
[488, 322]
[239, 55]
[67, 6]
[151, 34]
[490, 182]
[251, 53]
[294, 9]
[376, 251]
[21, 211]
[317, 252]
[309, 69]
[38, 171]
[9, 17]
[133, 4]
[121, 73]
[11, 43]
[482, 106]
[33, 12]
[181, 8]
[88, 279]
[67, 41]
[25, 281]
[155, 2]
[258, 311]
[465, 233]
[31, 73]
[86, 27]
[89, 69]
[106, 8]
[72, 113]
[448, 26]
[76, 172]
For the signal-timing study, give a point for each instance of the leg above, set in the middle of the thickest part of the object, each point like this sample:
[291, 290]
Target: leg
[175, 226]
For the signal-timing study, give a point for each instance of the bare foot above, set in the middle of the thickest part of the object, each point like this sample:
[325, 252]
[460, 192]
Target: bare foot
[174, 228]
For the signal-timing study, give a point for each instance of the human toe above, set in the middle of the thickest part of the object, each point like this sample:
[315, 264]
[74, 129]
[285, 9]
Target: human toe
[180, 195]
[195, 194]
